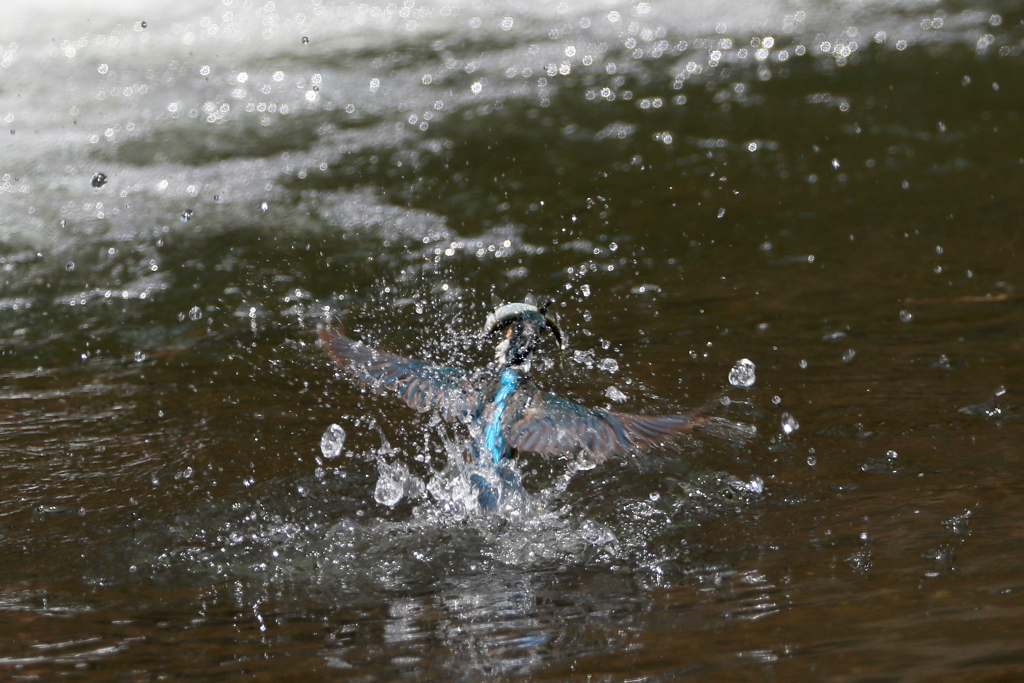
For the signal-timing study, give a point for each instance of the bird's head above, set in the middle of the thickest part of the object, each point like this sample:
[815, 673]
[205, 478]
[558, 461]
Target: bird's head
[520, 328]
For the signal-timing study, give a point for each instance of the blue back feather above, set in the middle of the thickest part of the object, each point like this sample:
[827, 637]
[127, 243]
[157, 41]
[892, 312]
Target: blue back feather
[494, 442]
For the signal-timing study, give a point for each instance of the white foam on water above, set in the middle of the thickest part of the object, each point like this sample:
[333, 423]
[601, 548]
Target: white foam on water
[209, 111]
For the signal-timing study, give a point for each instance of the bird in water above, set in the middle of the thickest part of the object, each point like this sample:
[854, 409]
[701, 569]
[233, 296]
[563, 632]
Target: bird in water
[501, 406]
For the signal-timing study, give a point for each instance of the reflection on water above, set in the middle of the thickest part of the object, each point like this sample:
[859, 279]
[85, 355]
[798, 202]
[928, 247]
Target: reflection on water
[803, 219]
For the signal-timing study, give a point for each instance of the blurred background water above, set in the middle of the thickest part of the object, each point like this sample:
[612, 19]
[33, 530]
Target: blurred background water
[829, 189]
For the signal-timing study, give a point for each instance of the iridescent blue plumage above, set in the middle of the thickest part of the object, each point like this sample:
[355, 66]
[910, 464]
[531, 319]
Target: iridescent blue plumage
[494, 440]
[501, 406]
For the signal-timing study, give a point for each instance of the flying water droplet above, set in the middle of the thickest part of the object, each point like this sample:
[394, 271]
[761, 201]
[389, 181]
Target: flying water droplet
[742, 374]
[186, 215]
[391, 484]
[789, 424]
[195, 313]
[583, 358]
[332, 442]
[615, 394]
[99, 180]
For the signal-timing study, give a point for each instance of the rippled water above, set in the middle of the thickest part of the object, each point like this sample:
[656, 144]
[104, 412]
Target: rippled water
[188, 487]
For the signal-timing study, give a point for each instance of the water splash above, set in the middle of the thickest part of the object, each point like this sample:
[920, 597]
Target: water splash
[615, 394]
[989, 408]
[332, 443]
[391, 484]
[742, 373]
[789, 424]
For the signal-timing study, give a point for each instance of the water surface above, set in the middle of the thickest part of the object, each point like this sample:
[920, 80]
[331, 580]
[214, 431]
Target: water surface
[830, 192]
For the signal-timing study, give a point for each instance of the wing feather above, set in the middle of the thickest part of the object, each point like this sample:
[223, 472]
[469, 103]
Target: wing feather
[421, 385]
[551, 425]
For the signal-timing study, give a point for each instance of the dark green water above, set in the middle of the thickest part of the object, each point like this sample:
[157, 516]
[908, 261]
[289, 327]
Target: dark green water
[842, 208]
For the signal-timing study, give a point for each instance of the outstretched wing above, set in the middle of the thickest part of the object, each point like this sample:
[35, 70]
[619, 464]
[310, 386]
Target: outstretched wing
[423, 386]
[554, 426]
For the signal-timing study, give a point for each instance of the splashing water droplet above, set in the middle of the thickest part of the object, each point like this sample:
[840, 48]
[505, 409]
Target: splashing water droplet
[583, 358]
[742, 374]
[608, 365]
[186, 215]
[586, 461]
[69, 266]
[195, 313]
[906, 316]
[390, 486]
[615, 394]
[789, 424]
[140, 356]
[99, 180]
[332, 442]
[596, 534]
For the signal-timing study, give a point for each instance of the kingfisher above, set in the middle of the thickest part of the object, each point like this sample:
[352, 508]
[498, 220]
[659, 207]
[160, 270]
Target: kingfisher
[501, 406]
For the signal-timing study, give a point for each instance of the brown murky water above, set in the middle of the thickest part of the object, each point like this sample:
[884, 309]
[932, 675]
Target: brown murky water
[845, 215]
